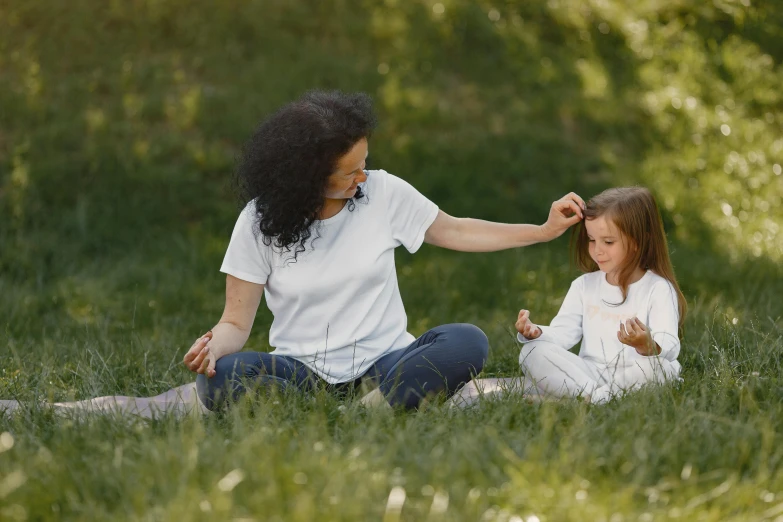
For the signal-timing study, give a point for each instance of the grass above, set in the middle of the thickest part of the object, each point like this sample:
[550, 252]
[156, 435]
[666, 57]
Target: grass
[118, 130]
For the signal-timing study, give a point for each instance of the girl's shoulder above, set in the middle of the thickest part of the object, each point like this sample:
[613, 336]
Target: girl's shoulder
[589, 279]
[655, 280]
[587, 283]
[656, 283]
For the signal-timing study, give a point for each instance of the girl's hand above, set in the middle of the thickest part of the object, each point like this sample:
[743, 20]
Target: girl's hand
[525, 327]
[199, 358]
[634, 333]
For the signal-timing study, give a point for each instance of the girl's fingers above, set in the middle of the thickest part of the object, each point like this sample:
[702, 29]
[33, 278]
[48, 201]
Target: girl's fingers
[524, 326]
[634, 325]
[630, 327]
[640, 324]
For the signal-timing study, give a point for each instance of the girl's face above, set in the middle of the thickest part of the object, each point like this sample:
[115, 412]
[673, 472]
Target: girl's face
[607, 245]
[343, 182]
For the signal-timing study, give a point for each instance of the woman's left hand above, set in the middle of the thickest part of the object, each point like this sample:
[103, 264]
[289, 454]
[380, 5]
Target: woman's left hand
[564, 213]
[636, 334]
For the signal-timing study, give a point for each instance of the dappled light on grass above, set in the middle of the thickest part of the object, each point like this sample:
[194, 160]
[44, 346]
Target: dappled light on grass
[701, 101]
[683, 101]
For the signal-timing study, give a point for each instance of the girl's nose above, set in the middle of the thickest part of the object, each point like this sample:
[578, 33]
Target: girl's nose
[362, 177]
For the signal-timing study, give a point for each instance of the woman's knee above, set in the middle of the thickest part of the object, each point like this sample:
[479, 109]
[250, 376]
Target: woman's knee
[206, 392]
[474, 344]
[231, 374]
[211, 390]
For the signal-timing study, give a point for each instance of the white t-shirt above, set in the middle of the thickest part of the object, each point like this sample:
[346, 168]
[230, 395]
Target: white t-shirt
[338, 308]
[590, 313]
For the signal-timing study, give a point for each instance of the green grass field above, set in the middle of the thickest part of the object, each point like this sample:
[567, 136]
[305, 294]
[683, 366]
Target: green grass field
[119, 124]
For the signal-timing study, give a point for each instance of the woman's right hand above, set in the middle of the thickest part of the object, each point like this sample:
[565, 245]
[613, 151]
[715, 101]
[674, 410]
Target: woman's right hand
[199, 358]
[525, 327]
[565, 212]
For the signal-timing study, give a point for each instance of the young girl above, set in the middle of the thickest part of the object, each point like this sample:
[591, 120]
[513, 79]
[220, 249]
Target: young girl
[627, 308]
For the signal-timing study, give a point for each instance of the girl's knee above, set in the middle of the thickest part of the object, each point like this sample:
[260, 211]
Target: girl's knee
[530, 353]
[651, 369]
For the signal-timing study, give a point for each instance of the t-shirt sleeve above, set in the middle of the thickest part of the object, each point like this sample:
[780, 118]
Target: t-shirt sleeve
[410, 213]
[246, 257]
[566, 328]
[665, 319]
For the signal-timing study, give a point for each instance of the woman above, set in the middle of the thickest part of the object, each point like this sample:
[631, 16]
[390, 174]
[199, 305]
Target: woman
[318, 235]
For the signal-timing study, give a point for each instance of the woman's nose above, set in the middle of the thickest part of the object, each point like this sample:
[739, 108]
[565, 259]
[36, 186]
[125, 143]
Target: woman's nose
[362, 177]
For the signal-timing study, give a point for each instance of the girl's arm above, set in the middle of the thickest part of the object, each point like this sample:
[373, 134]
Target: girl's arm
[566, 328]
[475, 235]
[664, 320]
[233, 329]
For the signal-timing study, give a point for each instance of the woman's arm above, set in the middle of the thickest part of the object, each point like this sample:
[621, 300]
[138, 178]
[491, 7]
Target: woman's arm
[233, 329]
[475, 235]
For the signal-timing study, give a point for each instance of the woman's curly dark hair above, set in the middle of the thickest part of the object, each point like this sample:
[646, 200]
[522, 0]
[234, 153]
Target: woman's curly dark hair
[285, 166]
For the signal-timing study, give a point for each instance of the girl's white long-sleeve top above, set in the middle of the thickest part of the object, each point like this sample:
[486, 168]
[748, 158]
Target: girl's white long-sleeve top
[593, 310]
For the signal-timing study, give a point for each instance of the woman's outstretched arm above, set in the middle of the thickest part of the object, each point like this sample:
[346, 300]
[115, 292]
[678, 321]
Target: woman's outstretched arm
[475, 235]
[233, 329]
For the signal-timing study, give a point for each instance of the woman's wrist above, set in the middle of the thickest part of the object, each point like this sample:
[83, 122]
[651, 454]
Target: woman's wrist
[227, 338]
[545, 233]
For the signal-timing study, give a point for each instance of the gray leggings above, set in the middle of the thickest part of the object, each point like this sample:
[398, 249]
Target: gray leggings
[441, 360]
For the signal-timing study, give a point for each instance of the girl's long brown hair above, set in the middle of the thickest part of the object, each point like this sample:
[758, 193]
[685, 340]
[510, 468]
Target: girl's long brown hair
[634, 212]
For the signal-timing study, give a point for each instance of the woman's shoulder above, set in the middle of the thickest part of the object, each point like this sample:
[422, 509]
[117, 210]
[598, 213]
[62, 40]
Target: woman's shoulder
[377, 180]
[247, 220]
[385, 181]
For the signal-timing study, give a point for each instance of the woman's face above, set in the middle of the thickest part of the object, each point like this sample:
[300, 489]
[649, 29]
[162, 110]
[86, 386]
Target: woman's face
[349, 173]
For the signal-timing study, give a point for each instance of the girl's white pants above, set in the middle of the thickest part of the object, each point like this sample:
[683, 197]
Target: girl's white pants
[560, 373]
